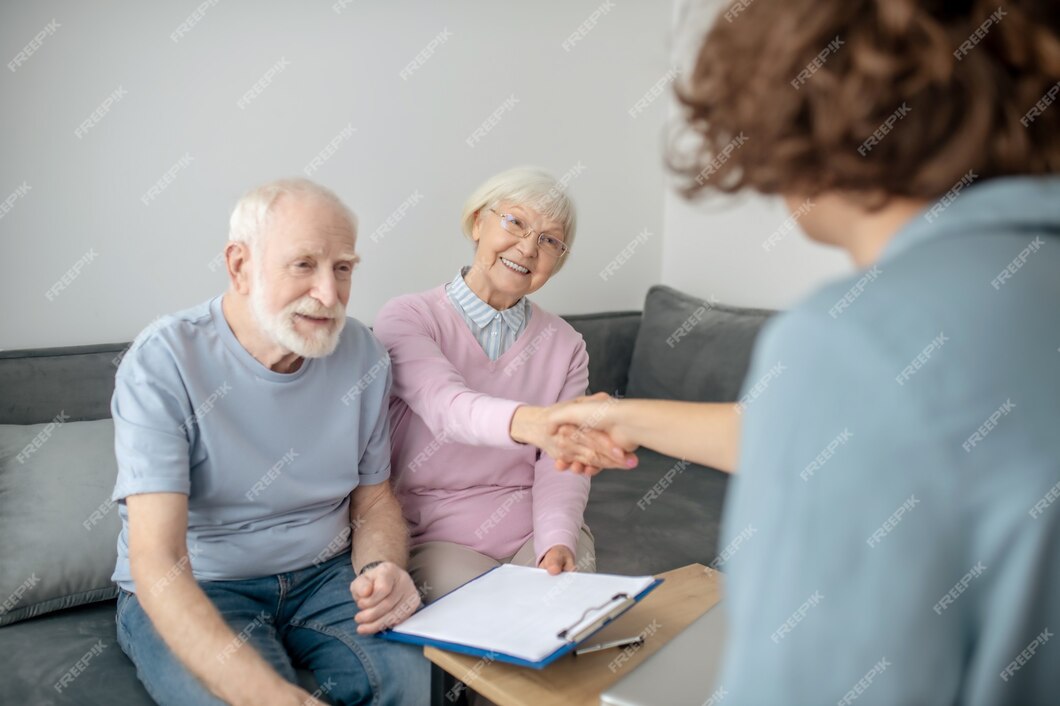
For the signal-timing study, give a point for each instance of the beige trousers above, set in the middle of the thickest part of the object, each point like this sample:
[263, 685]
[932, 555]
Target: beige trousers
[439, 567]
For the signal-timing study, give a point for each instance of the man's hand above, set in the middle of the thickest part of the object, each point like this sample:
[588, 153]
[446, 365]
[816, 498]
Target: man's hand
[558, 559]
[292, 695]
[385, 596]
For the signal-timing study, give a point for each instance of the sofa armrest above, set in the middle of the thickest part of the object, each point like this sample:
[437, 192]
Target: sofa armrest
[609, 339]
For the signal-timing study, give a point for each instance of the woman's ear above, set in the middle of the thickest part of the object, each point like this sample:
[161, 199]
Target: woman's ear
[476, 225]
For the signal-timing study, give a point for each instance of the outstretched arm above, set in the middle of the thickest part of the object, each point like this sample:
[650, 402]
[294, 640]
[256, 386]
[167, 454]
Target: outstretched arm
[432, 387]
[707, 433]
[436, 391]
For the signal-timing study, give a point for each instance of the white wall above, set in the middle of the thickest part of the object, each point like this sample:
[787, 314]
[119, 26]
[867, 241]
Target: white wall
[716, 248]
[180, 99]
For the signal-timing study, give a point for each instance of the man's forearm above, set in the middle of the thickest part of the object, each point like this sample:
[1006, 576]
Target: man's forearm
[380, 533]
[196, 633]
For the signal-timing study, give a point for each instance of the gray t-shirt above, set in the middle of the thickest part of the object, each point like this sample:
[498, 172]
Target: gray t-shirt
[268, 460]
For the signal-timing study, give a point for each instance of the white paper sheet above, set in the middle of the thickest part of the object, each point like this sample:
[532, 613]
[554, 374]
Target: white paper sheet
[518, 610]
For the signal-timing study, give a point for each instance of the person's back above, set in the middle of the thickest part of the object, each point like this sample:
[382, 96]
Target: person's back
[907, 540]
[894, 446]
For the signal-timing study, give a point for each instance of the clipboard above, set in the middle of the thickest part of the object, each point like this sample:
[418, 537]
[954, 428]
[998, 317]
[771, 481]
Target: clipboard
[555, 628]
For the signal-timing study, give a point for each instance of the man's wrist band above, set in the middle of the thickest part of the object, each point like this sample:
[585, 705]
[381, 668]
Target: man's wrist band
[370, 565]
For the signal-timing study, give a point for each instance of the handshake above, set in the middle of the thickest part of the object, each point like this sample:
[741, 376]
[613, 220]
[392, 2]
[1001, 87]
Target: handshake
[589, 434]
[583, 435]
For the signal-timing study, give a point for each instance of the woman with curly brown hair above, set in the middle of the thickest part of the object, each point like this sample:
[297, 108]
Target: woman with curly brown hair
[901, 471]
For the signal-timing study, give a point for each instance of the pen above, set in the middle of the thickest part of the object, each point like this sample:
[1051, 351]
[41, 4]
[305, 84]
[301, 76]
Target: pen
[621, 642]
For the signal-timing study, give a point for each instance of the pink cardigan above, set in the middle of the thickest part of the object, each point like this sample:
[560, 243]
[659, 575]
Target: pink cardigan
[458, 474]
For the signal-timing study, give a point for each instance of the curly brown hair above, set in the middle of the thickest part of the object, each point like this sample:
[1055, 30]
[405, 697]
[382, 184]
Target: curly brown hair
[875, 98]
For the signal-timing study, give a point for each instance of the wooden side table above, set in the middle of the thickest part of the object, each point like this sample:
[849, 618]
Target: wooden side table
[685, 595]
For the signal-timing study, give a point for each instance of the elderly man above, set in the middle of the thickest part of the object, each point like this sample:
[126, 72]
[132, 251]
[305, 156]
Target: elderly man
[253, 450]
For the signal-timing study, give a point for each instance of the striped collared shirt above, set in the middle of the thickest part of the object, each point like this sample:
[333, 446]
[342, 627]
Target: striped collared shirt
[496, 331]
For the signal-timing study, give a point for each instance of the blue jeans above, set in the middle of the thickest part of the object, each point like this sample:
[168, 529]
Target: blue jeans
[302, 618]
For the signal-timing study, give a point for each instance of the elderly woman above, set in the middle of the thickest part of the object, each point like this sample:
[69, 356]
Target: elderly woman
[474, 362]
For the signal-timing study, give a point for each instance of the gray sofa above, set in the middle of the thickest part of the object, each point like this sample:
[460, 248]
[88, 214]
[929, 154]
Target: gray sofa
[58, 529]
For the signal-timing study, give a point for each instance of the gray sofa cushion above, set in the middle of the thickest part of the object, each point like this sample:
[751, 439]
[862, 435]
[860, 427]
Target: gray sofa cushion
[689, 349]
[609, 339]
[72, 657]
[58, 525]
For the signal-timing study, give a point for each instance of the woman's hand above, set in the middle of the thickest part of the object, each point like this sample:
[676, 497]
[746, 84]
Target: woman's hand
[707, 433]
[558, 559]
[591, 421]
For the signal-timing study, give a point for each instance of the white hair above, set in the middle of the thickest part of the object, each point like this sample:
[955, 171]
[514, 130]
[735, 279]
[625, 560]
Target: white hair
[250, 217]
[530, 187]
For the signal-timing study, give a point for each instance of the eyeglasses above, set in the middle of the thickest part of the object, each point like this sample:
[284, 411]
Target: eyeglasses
[549, 244]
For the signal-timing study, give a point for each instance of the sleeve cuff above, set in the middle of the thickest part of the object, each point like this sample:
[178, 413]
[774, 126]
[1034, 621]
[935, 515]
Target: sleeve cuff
[544, 542]
[374, 478]
[142, 486]
[498, 414]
